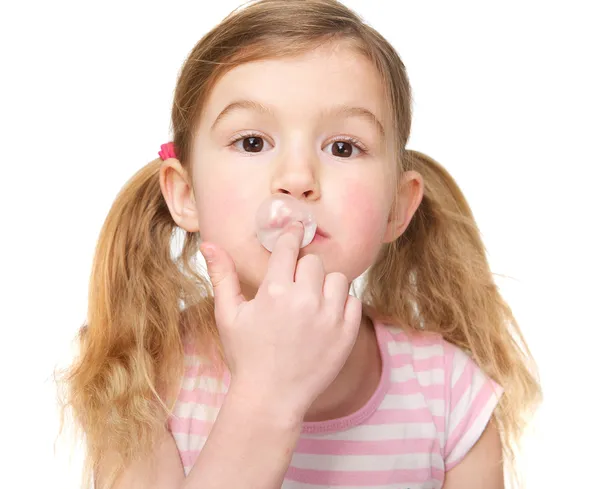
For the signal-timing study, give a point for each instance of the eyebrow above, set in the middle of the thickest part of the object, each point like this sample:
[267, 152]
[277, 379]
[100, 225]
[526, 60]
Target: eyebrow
[335, 111]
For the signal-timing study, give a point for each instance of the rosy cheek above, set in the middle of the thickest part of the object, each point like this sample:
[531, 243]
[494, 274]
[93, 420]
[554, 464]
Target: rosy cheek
[220, 213]
[365, 210]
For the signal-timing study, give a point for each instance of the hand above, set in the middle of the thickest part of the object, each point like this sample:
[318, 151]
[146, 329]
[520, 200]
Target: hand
[289, 343]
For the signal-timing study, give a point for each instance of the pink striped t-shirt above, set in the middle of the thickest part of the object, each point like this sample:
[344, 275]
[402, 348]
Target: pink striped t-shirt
[430, 407]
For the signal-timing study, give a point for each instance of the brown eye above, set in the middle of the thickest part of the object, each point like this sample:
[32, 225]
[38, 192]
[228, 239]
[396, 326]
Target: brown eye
[343, 149]
[253, 144]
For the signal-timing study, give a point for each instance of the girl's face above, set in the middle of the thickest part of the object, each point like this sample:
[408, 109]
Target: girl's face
[309, 126]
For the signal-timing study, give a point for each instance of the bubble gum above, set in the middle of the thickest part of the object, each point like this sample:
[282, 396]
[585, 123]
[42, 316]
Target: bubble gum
[276, 212]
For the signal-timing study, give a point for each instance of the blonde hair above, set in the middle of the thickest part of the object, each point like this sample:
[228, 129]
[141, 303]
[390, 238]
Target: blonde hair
[143, 301]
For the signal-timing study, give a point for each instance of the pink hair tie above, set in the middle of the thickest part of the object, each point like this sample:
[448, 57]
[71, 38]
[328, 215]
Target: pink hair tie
[167, 151]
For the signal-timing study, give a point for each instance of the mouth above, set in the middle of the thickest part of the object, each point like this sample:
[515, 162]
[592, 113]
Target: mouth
[321, 233]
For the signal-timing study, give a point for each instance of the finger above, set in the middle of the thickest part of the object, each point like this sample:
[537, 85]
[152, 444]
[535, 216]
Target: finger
[352, 317]
[282, 264]
[310, 273]
[335, 292]
[224, 279]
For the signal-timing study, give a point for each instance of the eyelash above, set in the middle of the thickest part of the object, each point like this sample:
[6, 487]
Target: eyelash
[363, 149]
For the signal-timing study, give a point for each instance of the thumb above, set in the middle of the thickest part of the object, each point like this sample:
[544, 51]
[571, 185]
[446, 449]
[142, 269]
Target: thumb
[224, 279]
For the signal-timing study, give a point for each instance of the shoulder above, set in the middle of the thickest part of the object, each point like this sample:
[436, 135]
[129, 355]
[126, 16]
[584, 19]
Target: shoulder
[202, 390]
[459, 394]
[203, 374]
[205, 380]
[421, 353]
[428, 352]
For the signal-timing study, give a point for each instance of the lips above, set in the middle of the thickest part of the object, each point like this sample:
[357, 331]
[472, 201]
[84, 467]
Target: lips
[322, 233]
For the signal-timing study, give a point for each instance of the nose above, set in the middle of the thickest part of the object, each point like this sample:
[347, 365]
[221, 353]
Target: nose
[298, 178]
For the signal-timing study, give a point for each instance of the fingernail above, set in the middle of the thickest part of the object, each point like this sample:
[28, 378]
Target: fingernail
[208, 252]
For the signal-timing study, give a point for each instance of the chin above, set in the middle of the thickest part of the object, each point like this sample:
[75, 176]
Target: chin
[252, 271]
[253, 264]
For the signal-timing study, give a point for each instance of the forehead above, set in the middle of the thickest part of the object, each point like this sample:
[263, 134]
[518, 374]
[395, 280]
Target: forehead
[302, 85]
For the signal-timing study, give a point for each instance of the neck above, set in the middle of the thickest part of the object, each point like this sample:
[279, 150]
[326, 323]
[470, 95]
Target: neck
[356, 382]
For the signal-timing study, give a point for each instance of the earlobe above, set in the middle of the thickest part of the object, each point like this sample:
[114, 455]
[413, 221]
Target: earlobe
[408, 199]
[179, 195]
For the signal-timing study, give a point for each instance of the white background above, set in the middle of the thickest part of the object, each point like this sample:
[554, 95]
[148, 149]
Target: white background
[506, 97]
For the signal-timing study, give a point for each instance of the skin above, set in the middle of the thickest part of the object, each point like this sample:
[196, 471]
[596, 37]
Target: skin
[349, 190]
[350, 195]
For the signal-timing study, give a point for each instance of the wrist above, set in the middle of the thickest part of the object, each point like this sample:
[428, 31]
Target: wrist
[264, 406]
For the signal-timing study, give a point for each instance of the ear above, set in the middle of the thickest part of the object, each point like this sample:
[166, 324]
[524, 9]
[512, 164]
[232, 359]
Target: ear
[179, 194]
[408, 198]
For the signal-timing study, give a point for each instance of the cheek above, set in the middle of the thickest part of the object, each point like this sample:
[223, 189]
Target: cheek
[222, 214]
[366, 213]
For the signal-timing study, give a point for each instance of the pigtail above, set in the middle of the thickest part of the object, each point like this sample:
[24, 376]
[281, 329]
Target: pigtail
[436, 277]
[121, 389]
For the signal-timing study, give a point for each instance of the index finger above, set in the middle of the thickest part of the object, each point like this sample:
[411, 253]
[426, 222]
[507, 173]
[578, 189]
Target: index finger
[282, 264]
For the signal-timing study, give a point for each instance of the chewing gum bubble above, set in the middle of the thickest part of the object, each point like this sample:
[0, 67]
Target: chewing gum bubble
[275, 213]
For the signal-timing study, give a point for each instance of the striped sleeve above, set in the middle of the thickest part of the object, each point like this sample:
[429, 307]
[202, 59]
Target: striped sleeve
[471, 397]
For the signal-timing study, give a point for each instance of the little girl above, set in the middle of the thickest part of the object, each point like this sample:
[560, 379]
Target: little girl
[271, 374]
